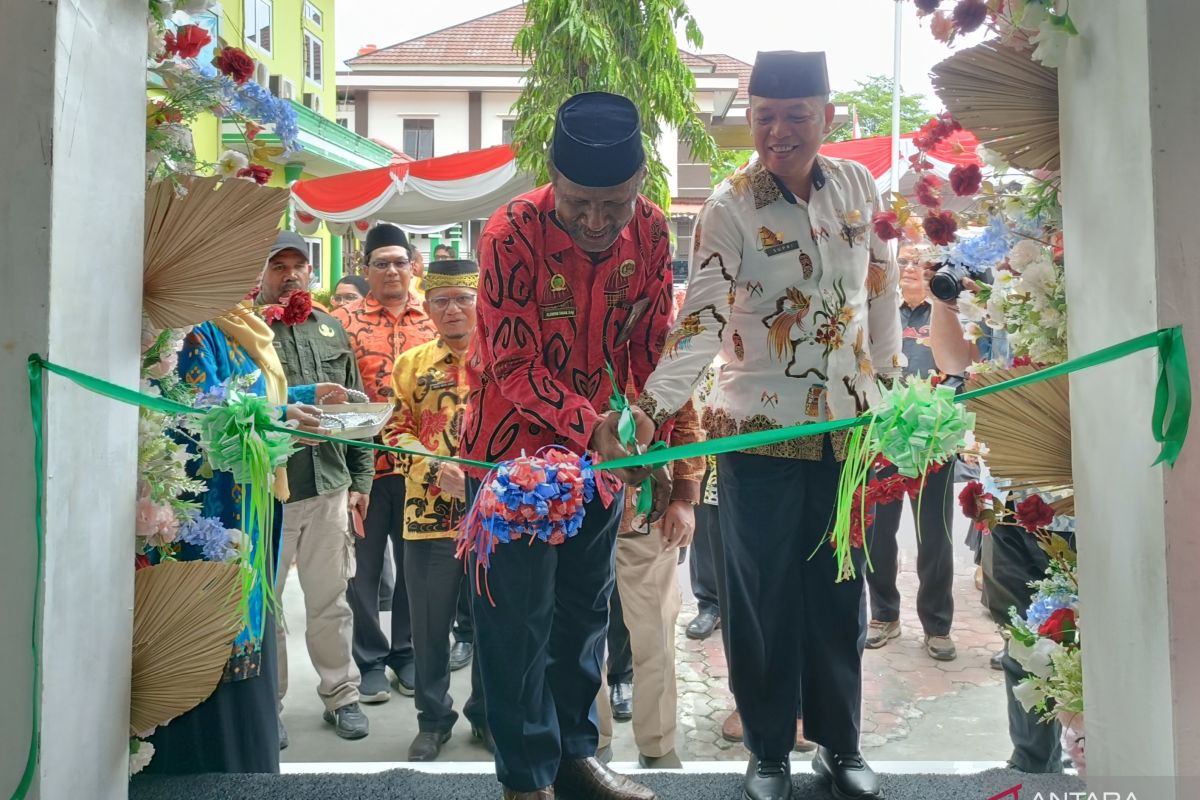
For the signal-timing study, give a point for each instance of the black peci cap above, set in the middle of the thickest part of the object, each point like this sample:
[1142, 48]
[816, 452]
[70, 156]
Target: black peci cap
[597, 140]
[783, 74]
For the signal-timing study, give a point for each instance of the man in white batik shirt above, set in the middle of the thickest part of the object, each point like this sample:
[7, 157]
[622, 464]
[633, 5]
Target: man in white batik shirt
[792, 290]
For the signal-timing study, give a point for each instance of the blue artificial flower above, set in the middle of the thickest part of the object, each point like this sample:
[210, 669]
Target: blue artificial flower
[208, 534]
[985, 249]
[1043, 606]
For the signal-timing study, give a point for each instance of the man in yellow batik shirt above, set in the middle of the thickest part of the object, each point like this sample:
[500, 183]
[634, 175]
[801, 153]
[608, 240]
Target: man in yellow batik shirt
[430, 391]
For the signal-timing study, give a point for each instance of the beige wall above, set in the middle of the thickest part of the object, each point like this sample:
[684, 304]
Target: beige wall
[449, 111]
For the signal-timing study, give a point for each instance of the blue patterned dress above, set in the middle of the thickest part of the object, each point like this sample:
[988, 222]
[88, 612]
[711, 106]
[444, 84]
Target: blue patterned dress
[235, 729]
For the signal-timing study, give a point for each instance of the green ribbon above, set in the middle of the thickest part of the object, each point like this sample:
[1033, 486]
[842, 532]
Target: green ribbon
[627, 433]
[1172, 413]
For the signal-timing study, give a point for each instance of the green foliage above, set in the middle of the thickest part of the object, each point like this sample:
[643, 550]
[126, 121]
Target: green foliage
[626, 47]
[726, 162]
[873, 100]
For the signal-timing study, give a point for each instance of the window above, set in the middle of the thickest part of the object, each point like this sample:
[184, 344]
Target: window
[684, 229]
[315, 250]
[418, 138]
[506, 130]
[312, 13]
[258, 23]
[313, 53]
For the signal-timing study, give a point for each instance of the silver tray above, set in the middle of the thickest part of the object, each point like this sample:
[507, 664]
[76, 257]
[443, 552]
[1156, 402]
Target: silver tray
[355, 420]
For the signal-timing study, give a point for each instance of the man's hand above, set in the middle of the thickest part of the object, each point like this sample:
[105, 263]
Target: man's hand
[308, 419]
[452, 481]
[661, 488]
[331, 394]
[606, 442]
[679, 524]
[929, 271]
[359, 501]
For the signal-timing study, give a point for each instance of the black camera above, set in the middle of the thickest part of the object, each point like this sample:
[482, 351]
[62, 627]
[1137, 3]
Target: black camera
[947, 282]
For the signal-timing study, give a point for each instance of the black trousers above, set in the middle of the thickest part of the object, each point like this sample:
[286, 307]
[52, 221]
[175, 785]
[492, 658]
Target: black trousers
[1012, 559]
[385, 520]
[788, 622]
[706, 562]
[464, 627]
[620, 653]
[433, 576]
[541, 646]
[935, 555]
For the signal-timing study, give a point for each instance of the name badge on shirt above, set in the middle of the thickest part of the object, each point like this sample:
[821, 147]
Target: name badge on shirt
[325, 331]
[786, 247]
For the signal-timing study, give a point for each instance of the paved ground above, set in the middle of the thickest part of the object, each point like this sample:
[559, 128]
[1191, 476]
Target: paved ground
[914, 708]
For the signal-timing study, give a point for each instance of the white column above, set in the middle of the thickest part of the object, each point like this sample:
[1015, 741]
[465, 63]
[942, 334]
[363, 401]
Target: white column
[71, 194]
[1130, 111]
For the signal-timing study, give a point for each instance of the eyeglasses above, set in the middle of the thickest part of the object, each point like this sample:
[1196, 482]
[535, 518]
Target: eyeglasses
[398, 263]
[461, 300]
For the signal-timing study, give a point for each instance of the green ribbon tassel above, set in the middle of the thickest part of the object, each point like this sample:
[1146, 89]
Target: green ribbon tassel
[627, 432]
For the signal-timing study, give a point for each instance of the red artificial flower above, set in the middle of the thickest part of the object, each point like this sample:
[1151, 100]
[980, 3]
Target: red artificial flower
[971, 500]
[1022, 361]
[296, 309]
[1059, 626]
[253, 130]
[256, 173]
[927, 6]
[934, 131]
[969, 14]
[885, 225]
[140, 561]
[1056, 247]
[1034, 513]
[965, 179]
[235, 63]
[188, 41]
[928, 191]
[940, 227]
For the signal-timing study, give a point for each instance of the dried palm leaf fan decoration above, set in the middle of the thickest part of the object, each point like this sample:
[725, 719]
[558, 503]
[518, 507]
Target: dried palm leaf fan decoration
[185, 618]
[1008, 100]
[1028, 433]
[205, 248]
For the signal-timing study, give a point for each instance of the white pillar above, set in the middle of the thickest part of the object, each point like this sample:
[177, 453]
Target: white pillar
[1130, 111]
[71, 193]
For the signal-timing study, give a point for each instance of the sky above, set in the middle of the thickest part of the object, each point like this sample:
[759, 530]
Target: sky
[857, 35]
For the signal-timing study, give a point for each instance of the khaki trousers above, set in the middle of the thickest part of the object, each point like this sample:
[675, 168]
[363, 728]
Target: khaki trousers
[316, 534]
[646, 579]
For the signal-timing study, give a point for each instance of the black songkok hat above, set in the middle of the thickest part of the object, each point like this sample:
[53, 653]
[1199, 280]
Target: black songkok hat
[452, 272]
[383, 235]
[597, 140]
[783, 74]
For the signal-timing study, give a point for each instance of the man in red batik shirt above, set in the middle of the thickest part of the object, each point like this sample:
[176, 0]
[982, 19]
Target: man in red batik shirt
[575, 275]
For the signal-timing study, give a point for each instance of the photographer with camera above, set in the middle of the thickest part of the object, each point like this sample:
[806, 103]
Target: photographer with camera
[935, 548]
[1011, 557]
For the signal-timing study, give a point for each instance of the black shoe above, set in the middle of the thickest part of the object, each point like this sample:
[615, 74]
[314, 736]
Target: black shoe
[283, 737]
[460, 655]
[405, 680]
[349, 722]
[704, 624]
[373, 687]
[849, 776]
[996, 662]
[767, 780]
[484, 736]
[621, 697]
[427, 745]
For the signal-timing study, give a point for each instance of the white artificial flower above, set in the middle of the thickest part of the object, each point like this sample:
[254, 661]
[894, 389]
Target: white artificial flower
[156, 39]
[973, 332]
[1024, 252]
[1028, 695]
[991, 158]
[1032, 13]
[1019, 651]
[1051, 41]
[1004, 279]
[970, 307]
[1039, 276]
[1039, 662]
[995, 316]
[230, 163]
[139, 758]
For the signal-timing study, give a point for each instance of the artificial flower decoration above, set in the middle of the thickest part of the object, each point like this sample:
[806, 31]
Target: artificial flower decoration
[1034, 513]
[965, 179]
[940, 227]
[927, 6]
[971, 500]
[255, 172]
[294, 310]
[231, 163]
[928, 191]
[942, 28]
[970, 14]
[235, 63]
[187, 42]
[885, 225]
[1059, 626]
